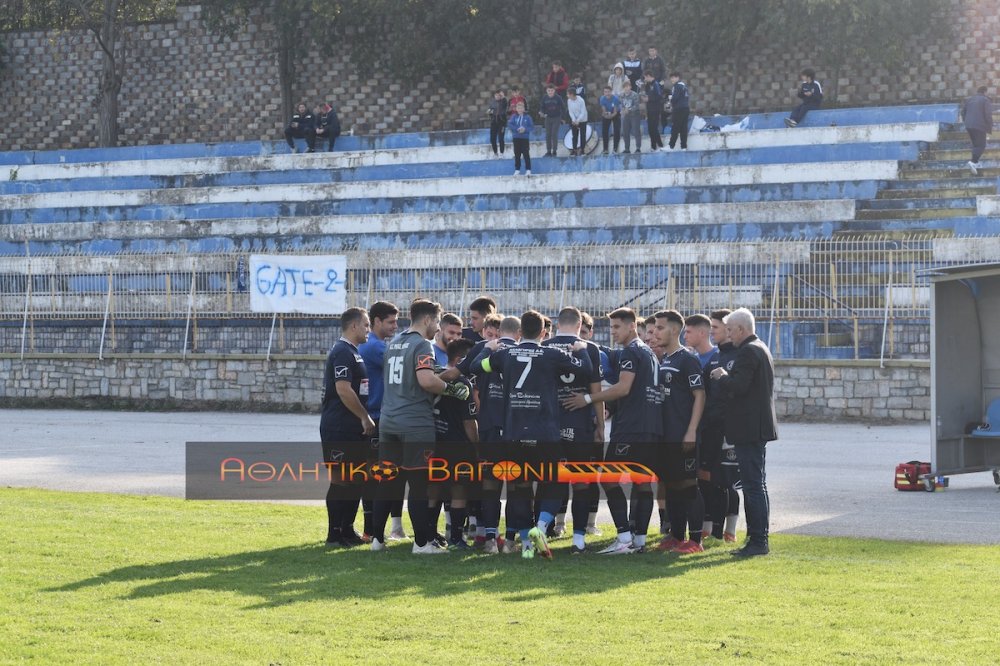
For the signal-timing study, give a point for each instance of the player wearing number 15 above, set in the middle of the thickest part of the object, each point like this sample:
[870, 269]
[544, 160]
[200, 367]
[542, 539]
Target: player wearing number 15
[406, 430]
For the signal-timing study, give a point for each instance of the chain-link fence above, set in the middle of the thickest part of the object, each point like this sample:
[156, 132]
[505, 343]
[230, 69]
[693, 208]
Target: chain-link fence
[843, 288]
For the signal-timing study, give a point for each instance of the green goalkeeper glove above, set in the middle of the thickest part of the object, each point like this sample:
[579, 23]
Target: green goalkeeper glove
[457, 390]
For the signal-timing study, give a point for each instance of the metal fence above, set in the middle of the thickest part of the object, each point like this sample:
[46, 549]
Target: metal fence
[843, 283]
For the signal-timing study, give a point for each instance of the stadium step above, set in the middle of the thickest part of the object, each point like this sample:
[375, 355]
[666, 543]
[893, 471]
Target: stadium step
[937, 192]
[956, 171]
[899, 203]
[914, 213]
[939, 154]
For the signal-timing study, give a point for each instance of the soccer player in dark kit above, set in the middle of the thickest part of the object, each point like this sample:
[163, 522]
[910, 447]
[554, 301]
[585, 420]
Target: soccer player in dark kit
[345, 425]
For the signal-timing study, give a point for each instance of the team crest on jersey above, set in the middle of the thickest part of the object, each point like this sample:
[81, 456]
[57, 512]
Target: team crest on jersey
[668, 377]
[729, 366]
[340, 372]
[694, 381]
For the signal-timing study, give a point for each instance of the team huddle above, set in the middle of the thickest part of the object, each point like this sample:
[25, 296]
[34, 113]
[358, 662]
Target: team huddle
[449, 417]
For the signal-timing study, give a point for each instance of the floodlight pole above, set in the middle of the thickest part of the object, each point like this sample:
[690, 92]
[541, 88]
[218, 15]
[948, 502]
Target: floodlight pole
[270, 337]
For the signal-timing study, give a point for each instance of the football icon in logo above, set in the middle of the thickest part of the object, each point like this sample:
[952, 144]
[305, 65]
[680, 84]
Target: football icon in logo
[384, 470]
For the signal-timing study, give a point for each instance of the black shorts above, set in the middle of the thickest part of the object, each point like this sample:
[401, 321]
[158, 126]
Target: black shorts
[674, 464]
[727, 472]
[639, 448]
[344, 448]
[410, 450]
[710, 446]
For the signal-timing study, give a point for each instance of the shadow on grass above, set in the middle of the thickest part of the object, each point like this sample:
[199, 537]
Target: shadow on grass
[309, 572]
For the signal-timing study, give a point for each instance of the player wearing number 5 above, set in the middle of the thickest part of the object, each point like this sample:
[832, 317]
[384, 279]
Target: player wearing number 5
[531, 380]
[407, 432]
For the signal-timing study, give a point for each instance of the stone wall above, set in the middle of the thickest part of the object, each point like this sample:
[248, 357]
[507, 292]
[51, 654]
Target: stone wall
[186, 85]
[806, 390]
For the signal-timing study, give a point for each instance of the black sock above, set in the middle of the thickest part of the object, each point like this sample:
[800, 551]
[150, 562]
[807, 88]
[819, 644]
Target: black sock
[642, 510]
[368, 508]
[677, 512]
[662, 511]
[417, 505]
[458, 524]
[433, 517]
[695, 516]
[581, 508]
[618, 507]
[334, 515]
[719, 525]
[350, 514]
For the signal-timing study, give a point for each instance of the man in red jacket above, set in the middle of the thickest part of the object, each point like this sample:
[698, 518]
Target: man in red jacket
[558, 79]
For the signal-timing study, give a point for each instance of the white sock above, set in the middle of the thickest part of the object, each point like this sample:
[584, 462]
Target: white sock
[397, 524]
[625, 537]
[706, 528]
[731, 521]
[592, 520]
[578, 541]
[639, 540]
[472, 521]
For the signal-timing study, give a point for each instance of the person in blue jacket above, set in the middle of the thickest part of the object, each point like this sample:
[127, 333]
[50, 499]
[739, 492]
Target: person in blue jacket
[977, 114]
[521, 125]
[811, 94]
[611, 116]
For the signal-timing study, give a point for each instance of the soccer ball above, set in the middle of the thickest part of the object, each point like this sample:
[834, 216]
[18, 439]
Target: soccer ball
[384, 470]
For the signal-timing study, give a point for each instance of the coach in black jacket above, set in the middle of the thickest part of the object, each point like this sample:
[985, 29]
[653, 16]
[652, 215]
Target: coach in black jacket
[750, 422]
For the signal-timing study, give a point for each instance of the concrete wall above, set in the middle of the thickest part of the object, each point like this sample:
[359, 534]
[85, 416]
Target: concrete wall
[818, 390]
[187, 85]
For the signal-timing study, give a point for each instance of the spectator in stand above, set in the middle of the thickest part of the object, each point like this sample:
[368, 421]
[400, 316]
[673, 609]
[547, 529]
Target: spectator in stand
[328, 127]
[558, 79]
[611, 109]
[617, 80]
[301, 126]
[577, 109]
[516, 98]
[977, 114]
[631, 118]
[653, 94]
[520, 130]
[632, 66]
[680, 104]
[578, 85]
[499, 114]
[654, 63]
[553, 108]
[811, 94]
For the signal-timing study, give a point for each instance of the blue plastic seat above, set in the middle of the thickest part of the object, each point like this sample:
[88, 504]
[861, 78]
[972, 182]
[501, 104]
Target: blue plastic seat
[992, 426]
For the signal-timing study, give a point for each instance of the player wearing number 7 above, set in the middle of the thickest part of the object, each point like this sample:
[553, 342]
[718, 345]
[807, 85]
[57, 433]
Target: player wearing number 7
[531, 382]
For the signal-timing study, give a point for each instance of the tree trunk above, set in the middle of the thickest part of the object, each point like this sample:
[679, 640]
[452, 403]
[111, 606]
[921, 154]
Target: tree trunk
[111, 76]
[286, 71]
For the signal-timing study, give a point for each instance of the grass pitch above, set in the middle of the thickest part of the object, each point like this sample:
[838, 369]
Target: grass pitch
[111, 579]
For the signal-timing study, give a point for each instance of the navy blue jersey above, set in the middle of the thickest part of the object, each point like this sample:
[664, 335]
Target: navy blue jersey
[609, 363]
[531, 382]
[680, 377]
[715, 397]
[640, 412]
[343, 364]
[489, 385]
[578, 424]
[450, 415]
[470, 334]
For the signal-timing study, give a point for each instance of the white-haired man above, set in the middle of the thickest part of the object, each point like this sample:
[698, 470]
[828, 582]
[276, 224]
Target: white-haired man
[750, 422]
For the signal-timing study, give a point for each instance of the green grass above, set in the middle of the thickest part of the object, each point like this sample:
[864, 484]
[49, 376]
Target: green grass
[106, 579]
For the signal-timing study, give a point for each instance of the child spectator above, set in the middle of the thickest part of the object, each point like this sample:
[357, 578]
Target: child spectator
[578, 85]
[301, 126]
[520, 130]
[631, 118]
[499, 114]
[552, 110]
[617, 80]
[654, 63]
[653, 92]
[558, 79]
[680, 105]
[611, 108]
[577, 109]
[515, 98]
[811, 94]
[329, 126]
[632, 67]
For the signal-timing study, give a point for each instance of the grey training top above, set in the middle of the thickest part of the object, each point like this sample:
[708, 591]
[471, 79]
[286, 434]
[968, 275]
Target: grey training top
[405, 405]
